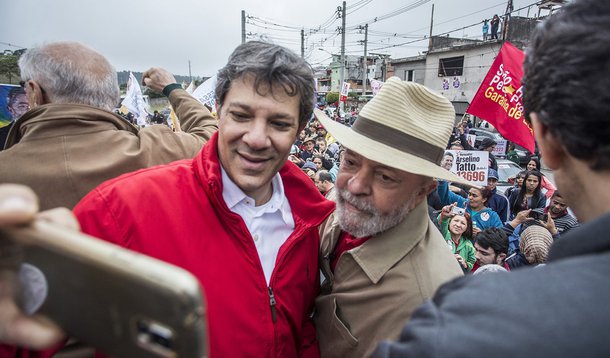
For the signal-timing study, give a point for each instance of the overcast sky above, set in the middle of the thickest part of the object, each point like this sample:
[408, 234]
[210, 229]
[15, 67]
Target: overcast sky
[137, 34]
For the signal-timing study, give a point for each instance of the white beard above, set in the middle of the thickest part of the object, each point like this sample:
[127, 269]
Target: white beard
[369, 221]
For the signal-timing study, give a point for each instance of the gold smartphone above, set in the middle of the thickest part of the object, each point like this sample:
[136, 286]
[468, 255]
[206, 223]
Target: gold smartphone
[122, 303]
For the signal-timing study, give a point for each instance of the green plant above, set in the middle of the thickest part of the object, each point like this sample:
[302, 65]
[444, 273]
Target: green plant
[332, 97]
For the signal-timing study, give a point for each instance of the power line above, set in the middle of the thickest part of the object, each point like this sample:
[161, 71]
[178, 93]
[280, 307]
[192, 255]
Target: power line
[359, 5]
[446, 32]
[12, 45]
[392, 13]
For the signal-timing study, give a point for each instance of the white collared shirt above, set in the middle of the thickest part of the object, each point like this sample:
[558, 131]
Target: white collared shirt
[269, 224]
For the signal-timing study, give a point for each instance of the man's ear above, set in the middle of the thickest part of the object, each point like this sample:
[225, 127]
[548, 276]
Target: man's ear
[423, 192]
[35, 93]
[501, 258]
[550, 147]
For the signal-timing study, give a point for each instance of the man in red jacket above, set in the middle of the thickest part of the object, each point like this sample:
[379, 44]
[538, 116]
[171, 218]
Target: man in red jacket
[238, 216]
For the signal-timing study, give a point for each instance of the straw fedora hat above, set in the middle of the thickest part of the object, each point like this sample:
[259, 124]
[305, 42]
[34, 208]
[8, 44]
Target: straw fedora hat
[405, 126]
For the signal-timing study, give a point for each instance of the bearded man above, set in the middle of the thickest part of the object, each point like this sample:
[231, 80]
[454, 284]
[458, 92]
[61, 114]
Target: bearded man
[381, 255]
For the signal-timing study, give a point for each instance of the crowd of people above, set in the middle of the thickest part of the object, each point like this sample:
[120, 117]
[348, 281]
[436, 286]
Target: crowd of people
[376, 268]
[533, 200]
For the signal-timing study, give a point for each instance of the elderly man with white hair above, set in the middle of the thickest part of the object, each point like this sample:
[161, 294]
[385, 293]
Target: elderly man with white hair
[381, 255]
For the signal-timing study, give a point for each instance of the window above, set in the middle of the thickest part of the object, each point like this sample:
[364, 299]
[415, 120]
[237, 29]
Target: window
[409, 75]
[451, 66]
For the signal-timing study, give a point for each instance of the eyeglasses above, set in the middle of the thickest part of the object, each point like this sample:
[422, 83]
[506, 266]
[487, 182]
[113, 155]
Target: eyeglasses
[22, 84]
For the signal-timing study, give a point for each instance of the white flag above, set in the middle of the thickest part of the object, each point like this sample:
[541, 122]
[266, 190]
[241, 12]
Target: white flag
[134, 101]
[191, 88]
[205, 93]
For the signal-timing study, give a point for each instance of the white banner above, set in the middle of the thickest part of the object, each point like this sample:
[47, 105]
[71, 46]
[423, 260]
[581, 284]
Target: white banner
[134, 101]
[471, 165]
[205, 93]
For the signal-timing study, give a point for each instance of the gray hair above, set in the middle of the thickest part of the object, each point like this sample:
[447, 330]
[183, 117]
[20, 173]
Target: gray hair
[270, 65]
[70, 72]
[324, 175]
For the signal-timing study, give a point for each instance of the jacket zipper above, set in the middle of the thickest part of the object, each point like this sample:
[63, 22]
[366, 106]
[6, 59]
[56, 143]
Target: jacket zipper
[272, 304]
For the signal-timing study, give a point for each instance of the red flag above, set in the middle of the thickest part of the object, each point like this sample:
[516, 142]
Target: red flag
[498, 99]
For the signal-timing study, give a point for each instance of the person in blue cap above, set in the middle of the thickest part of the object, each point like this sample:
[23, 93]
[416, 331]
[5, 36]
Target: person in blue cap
[497, 202]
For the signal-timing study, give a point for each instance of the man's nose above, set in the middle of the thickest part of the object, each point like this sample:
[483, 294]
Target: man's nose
[359, 183]
[257, 136]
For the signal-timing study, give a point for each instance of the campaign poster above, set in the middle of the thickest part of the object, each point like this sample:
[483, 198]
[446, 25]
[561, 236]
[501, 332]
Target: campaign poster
[471, 139]
[500, 150]
[13, 103]
[344, 91]
[471, 165]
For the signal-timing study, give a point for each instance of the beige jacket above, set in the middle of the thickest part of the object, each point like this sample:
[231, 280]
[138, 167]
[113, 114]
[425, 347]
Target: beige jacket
[377, 285]
[63, 151]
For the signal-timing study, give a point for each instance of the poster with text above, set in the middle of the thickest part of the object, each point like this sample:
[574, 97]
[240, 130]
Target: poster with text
[500, 150]
[470, 164]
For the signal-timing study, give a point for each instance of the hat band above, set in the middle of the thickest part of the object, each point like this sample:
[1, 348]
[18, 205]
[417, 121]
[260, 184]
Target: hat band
[398, 140]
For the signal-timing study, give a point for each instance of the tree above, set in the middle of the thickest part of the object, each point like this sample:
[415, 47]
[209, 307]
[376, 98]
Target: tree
[332, 97]
[9, 69]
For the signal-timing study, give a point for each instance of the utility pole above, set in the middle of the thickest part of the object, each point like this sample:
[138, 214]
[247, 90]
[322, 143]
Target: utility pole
[243, 26]
[365, 60]
[302, 43]
[190, 76]
[431, 25]
[507, 15]
[342, 70]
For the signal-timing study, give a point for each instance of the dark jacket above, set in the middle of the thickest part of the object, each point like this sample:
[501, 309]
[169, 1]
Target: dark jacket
[515, 206]
[557, 310]
[499, 204]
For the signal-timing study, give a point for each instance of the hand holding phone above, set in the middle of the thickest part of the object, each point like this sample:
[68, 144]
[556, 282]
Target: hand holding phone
[123, 303]
[18, 206]
[536, 215]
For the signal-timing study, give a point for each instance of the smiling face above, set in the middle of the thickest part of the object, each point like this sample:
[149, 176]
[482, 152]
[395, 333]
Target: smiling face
[531, 165]
[255, 134]
[447, 161]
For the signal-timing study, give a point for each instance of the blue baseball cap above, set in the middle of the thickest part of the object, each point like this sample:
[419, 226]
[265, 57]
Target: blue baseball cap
[492, 174]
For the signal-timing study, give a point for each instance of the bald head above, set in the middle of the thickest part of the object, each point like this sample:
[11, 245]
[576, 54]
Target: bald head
[70, 72]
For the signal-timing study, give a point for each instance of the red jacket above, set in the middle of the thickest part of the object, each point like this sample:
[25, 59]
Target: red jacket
[176, 213]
